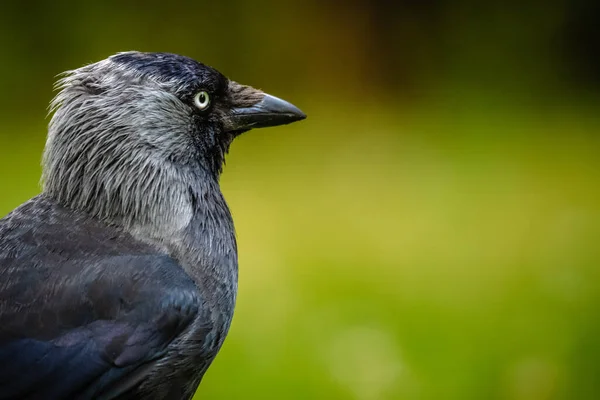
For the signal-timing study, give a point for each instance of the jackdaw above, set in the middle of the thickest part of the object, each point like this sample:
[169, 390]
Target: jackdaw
[119, 280]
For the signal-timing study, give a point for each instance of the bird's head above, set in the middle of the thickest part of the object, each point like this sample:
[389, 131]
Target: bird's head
[124, 125]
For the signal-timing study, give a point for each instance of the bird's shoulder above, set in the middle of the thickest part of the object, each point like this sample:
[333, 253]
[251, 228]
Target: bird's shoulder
[54, 257]
[72, 288]
[43, 224]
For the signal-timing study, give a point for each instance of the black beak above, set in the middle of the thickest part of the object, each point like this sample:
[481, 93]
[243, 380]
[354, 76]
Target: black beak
[269, 111]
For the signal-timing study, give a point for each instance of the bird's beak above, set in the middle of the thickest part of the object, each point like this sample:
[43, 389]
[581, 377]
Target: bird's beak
[266, 111]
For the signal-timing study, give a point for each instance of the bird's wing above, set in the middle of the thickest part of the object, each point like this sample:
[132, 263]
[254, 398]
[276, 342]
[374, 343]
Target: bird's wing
[79, 319]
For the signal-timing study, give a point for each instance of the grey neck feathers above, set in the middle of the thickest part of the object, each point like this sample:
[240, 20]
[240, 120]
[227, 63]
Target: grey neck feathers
[131, 190]
[178, 207]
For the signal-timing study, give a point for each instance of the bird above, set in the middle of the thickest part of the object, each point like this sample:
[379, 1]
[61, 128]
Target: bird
[119, 280]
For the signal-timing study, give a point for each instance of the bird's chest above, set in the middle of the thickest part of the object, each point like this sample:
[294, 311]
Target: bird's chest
[207, 252]
[189, 356]
[213, 266]
[209, 257]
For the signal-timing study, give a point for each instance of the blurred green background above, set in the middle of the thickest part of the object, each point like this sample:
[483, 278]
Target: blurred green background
[431, 231]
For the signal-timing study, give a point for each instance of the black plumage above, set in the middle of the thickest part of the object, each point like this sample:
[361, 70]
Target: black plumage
[119, 280]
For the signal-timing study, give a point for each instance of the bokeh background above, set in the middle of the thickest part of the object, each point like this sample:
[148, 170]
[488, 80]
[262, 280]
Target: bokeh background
[431, 231]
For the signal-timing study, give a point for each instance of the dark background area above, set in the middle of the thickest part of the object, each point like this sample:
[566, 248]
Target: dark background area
[429, 232]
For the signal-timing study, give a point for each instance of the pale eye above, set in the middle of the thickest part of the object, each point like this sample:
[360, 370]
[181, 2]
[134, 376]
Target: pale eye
[202, 100]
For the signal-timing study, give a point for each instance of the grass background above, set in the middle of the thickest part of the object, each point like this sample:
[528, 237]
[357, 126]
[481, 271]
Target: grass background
[430, 234]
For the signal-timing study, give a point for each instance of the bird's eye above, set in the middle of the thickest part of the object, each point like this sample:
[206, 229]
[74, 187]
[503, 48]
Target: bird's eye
[202, 100]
